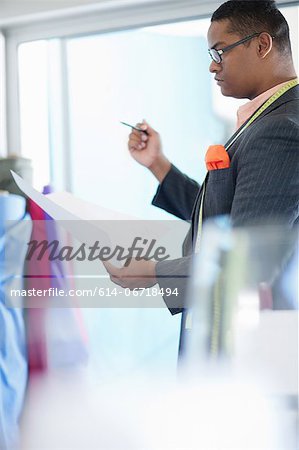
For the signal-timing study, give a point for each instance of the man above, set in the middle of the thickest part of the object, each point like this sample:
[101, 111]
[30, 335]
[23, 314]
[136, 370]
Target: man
[251, 58]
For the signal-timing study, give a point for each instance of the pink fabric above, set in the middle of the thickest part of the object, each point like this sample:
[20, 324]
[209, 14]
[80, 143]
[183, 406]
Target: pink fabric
[245, 111]
[38, 278]
[43, 274]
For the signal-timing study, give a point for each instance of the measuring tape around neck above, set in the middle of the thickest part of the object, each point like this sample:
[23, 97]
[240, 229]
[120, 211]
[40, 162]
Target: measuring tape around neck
[217, 300]
[266, 105]
[263, 108]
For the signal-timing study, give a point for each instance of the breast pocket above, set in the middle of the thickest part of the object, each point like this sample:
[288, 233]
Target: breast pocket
[220, 174]
[219, 192]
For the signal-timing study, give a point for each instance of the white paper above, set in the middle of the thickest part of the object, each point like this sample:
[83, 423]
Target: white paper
[89, 223]
[67, 213]
[85, 210]
[65, 206]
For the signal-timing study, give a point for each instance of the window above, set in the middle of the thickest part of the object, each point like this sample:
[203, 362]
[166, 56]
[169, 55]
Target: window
[34, 108]
[127, 76]
[71, 105]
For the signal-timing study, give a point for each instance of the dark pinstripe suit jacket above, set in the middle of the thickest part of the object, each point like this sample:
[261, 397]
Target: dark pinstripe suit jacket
[261, 185]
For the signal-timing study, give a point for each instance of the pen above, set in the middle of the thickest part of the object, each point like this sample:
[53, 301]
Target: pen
[134, 128]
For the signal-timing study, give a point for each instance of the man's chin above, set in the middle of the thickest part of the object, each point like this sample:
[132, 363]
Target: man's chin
[226, 92]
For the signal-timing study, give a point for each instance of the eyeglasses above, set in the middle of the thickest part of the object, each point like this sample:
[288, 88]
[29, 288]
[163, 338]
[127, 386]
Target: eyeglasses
[216, 54]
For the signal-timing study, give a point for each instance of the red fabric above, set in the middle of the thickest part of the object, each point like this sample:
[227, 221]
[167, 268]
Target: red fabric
[41, 274]
[38, 277]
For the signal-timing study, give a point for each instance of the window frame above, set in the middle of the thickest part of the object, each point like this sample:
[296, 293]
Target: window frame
[103, 17]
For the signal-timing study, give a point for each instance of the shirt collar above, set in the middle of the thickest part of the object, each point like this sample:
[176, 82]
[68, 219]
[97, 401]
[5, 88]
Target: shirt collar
[246, 111]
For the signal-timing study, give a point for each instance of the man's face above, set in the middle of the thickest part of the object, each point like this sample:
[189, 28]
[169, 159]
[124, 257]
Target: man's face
[237, 73]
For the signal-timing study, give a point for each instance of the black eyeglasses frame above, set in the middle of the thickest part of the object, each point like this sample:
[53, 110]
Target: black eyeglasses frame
[229, 47]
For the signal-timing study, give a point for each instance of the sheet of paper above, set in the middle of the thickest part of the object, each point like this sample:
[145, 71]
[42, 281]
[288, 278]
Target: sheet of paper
[67, 213]
[65, 206]
[86, 210]
[89, 223]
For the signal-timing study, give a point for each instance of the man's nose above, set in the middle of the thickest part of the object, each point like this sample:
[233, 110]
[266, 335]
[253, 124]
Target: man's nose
[214, 67]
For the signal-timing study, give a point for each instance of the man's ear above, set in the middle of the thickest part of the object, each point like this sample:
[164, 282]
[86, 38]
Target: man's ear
[265, 44]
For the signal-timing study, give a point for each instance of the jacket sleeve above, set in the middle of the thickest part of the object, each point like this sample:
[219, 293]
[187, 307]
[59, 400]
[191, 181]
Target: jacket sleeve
[174, 275]
[177, 194]
[266, 191]
[267, 185]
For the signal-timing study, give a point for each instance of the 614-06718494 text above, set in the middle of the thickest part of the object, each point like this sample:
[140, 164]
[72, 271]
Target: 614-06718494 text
[96, 292]
[148, 292]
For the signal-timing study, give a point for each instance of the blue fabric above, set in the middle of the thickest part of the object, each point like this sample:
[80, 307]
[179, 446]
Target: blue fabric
[13, 358]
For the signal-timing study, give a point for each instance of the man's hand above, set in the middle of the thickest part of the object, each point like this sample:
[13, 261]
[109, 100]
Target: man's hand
[146, 149]
[138, 274]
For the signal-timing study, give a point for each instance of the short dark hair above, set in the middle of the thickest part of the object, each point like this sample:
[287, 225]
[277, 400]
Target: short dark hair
[249, 16]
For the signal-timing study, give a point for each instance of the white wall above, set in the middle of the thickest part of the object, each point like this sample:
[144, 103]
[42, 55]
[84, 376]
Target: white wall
[13, 11]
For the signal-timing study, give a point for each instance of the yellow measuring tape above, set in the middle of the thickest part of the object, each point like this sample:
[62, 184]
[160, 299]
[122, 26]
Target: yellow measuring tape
[217, 303]
[217, 306]
[266, 105]
[263, 108]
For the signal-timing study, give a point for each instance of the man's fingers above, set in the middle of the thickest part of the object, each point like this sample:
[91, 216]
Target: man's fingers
[138, 136]
[112, 270]
[135, 135]
[106, 264]
[138, 140]
[117, 281]
[135, 141]
[136, 146]
[143, 126]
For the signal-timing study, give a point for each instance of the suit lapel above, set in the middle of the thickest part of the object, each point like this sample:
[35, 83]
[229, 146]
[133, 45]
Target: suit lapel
[291, 94]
